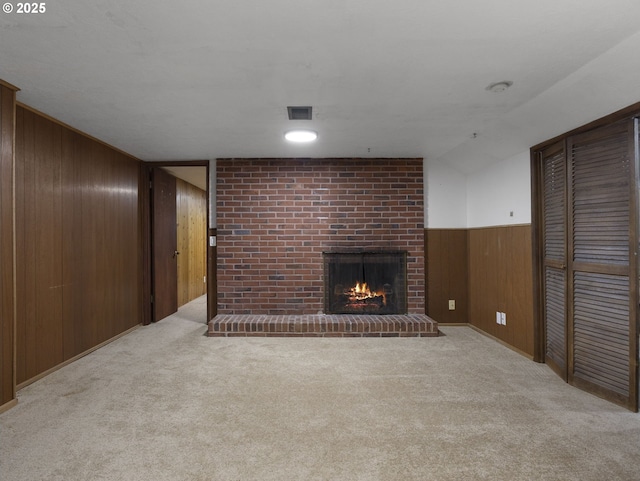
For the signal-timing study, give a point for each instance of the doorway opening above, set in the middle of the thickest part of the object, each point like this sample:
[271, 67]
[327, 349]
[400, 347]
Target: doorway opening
[177, 252]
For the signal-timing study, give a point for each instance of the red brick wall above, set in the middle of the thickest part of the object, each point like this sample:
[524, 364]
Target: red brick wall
[275, 217]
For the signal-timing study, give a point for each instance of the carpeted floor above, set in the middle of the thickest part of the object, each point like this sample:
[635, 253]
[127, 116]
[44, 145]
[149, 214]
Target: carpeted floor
[167, 403]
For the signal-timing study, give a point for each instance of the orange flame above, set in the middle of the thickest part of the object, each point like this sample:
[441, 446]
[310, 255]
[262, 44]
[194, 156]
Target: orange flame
[361, 292]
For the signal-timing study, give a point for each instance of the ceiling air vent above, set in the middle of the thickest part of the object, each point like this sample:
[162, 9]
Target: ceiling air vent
[299, 113]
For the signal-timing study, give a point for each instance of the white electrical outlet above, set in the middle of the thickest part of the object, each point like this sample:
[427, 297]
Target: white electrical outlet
[452, 304]
[503, 319]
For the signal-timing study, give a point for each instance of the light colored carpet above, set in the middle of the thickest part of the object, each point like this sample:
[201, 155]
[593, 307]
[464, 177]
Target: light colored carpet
[167, 403]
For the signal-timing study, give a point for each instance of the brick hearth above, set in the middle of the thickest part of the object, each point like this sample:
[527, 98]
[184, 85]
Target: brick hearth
[320, 325]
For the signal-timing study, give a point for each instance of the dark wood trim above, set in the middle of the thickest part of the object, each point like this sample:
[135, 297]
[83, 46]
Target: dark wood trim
[9, 86]
[74, 358]
[625, 113]
[616, 270]
[602, 393]
[212, 277]
[73, 129]
[469, 229]
[304, 159]
[7, 247]
[177, 163]
[634, 241]
[212, 254]
[145, 213]
[145, 240]
[539, 340]
[8, 405]
[426, 272]
[497, 339]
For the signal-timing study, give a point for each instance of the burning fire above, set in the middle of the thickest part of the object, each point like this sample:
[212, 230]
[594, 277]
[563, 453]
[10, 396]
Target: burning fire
[362, 292]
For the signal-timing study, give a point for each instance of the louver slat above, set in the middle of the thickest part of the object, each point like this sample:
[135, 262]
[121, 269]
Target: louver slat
[600, 183]
[555, 175]
[601, 334]
[555, 316]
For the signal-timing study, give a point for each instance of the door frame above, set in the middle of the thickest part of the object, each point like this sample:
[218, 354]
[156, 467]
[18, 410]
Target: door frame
[146, 235]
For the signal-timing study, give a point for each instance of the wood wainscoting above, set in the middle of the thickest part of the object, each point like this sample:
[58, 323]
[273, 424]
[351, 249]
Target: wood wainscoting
[485, 270]
[501, 280]
[446, 252]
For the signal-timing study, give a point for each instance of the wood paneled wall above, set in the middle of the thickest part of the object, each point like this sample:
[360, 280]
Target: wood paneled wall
[77, 235]
[7, 380]
[484, 271]
[191, 209]
[501, 279]
[447, 273]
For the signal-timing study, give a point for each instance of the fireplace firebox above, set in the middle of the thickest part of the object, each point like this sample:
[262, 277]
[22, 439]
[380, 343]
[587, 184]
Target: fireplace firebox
[365, 282]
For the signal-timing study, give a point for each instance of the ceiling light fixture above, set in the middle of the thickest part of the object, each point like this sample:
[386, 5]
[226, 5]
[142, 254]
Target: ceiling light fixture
[301, 135]
[499, 86]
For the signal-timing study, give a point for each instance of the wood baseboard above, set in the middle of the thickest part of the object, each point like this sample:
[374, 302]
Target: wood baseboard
[480, 331]
[75, 358]
[514, 349]
[8, 405]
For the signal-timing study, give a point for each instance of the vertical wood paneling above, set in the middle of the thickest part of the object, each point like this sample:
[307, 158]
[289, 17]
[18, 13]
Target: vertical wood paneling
[447, 274]
[191, 205]
[71, 294]
[500, 279]
[7, 129]
[77, 233]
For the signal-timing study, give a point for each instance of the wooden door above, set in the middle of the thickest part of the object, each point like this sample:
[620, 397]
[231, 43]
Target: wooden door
[164, 285]
[602, 270]
[554, 257]
[587, 251]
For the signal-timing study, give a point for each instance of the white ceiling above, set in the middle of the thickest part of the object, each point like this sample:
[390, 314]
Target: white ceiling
[167, 80]
[195, 175]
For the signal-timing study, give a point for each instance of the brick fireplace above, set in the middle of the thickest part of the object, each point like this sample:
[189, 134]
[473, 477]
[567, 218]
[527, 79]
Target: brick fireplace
[276, 218]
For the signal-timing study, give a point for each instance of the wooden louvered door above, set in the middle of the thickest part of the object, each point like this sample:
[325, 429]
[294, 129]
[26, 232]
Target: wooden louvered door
[601, 272]
[554, 256]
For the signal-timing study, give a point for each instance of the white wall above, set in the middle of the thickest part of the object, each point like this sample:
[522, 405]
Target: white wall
[500, 194]
[481, 199]
[445, 197]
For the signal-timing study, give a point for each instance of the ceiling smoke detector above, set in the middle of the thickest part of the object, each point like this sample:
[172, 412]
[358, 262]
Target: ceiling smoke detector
[499, 86]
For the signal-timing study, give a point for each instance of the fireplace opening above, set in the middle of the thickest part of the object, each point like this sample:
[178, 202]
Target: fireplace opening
[365, 282]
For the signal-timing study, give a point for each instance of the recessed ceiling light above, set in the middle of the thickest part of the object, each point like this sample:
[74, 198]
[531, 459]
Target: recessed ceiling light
[499, 86]
[301, 135]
